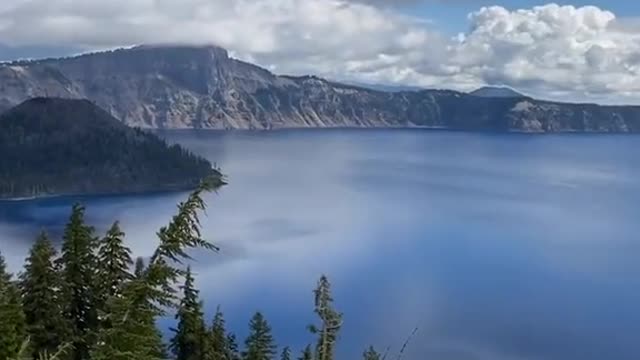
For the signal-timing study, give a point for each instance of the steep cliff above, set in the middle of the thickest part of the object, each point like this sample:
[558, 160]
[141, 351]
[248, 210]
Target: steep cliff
[202, 87]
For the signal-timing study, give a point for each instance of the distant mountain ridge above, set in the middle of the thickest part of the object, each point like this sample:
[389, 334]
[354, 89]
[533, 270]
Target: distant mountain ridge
[53, 146]
[496, 91]
[202, 87]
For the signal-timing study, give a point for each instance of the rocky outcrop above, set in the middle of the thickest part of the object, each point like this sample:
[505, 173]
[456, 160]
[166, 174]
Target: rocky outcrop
[202, 87]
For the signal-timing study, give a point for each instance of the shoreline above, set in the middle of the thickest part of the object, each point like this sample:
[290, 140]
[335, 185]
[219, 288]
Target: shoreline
[398, 128]
[93, 194]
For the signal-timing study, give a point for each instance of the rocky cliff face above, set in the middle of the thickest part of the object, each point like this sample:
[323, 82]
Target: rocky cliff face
[202, 87]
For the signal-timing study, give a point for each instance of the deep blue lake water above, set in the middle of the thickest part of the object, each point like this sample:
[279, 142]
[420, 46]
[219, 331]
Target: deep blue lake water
[497, 247]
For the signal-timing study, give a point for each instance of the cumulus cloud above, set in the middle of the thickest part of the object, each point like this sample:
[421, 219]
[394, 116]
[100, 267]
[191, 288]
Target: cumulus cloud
[560, 52]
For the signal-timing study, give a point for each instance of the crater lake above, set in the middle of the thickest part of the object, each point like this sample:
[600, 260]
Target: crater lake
[495, 246]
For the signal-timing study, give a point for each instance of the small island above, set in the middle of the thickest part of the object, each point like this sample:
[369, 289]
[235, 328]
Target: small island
[53, 146]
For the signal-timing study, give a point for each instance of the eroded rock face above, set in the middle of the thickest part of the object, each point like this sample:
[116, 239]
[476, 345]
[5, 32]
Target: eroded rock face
[202, 87]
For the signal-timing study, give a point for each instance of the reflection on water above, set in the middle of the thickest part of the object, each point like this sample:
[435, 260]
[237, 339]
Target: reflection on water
[495, 246]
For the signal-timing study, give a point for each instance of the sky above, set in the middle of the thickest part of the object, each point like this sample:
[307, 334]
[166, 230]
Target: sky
[573, 51]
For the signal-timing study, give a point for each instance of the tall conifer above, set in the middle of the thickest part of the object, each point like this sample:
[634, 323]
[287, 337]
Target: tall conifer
[331, 321]
[12, 319]
[286, 353]
[78, 263]
[218, 346]
[114, 262]
[259, 345]
[232, 352]
[190, 341]
[132, 334]
[41, 298]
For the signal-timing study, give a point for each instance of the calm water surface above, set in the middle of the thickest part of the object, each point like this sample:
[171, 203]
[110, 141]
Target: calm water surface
[497, 247]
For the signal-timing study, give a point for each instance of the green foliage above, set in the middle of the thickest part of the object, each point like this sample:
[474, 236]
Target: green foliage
[259, 345]
[286, 353]
[307, 353]
[70, 291]
[61, 298]
[41, 298]
[12, 319]
[59, 354]
[218, 347]
[138, 271]
[60, 146]
[128, 330]
[114, 261]
[78, 264]
[331, 321]
[371, 354]
[232, 352]
[133, 335]
[190, 339]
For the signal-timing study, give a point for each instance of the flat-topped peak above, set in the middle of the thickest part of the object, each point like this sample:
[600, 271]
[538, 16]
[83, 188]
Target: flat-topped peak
[177, 47]
[496, 92]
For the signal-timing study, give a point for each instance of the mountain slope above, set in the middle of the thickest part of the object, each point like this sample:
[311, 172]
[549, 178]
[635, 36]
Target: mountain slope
[202, 87]
[496, 91]
[57, 146]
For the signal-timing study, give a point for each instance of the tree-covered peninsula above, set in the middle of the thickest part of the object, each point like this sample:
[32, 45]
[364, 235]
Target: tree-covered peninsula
[52, 146]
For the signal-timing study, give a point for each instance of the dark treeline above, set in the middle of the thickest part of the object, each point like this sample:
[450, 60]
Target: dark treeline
[57, 146]
[91, 300]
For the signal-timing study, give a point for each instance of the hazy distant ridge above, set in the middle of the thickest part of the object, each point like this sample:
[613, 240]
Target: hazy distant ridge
[202, 87]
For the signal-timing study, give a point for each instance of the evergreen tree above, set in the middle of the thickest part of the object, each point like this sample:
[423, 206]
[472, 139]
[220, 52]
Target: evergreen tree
[138, 271]
[232, 348]
[286, 354]
[259, 345]
[190, 339]
[371, 354]
[330, 318]
[42, 305]
[78, 263]
[114, 261]
[12, 319]
[307, 354]
[218, 347]
[133, 334]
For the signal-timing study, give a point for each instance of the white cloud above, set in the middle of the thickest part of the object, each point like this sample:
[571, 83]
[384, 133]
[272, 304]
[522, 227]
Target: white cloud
[560, 52]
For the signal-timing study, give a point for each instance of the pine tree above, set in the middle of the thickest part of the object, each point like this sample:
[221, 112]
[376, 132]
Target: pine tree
[78, 263]
[12, 319]
[286, 353]
[232, 348]
[42, 305]
[114, 261]
[307, 354]
[218, 347]
[371, 354]
[138, 271]
[331, 321]
[133, 334]
[190, 339]
[259, 345]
